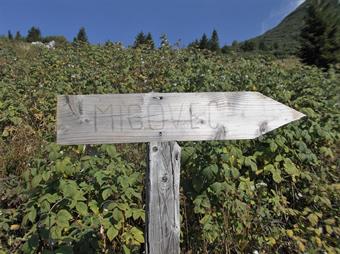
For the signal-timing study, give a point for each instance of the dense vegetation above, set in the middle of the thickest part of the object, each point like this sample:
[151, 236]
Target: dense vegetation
[279, 193]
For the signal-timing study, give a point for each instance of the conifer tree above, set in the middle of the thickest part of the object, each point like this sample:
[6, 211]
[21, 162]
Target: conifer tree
[34, 34]
[330, 51]
[164, 41]
[214, 44]
[18, 36]
[149, 41]
[81, 36]
[10, 35]
[139, 40]
[194, 44]
[319, 37]
[204, 42]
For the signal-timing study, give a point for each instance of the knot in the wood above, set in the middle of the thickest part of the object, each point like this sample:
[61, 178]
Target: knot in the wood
[263, 127]
[155, 148]
[164, 179]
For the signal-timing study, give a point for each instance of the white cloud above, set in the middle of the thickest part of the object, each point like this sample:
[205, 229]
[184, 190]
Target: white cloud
[298, 2]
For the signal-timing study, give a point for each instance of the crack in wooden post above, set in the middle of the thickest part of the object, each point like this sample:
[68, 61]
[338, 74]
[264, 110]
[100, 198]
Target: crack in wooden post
[162, 234]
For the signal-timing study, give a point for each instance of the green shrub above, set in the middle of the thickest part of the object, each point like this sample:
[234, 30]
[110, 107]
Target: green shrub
[279, 193]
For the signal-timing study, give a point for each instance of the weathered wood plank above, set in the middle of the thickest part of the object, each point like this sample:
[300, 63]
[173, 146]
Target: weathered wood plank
[163, 217]
[133, 118]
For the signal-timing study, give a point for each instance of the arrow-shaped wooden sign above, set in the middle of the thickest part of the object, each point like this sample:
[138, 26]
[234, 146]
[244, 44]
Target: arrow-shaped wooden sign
[161, 117]
[133, 118]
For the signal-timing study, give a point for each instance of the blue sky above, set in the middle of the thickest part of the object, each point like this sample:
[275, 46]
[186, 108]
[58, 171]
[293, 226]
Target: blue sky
[121, 20]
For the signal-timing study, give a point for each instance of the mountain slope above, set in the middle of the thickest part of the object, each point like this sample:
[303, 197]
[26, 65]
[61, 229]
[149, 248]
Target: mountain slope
[287, 33]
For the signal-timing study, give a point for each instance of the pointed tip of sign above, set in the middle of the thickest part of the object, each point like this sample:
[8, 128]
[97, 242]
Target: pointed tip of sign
[298, 115]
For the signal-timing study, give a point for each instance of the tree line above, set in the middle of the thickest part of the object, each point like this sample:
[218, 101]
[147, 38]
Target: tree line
[319, 40]
[34, 35]
[212, 43]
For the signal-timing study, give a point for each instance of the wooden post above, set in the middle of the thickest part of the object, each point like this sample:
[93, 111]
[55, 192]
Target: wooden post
[162, 234]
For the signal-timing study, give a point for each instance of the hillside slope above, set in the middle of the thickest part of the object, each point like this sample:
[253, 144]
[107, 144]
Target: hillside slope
[287, 33]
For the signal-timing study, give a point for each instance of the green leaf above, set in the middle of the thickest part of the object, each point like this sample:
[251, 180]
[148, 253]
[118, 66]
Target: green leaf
[126, 250]
[65, 166]
[313, 219]
[106, 222]
[46, 175]
[137, 234]
[187, 152]
[70, 189]
[276, 175]
[52, 198]
[269, 168]
[117, 214]
[273, 146]
[290, 168]
[206, 219]
[278, 158]
[138, 213]
[36, 181]
[123, 206]
[56, 232]
[201, 202]
[94, 207]
[110, 150]
[32, 214]
[235, 172]
[210, 171]
[250, 163]
[82, 208]
[107, 193]
[53, 152]
[63, 218]
[216, 188]
[100, 177]
[112, 233]
[64, 214]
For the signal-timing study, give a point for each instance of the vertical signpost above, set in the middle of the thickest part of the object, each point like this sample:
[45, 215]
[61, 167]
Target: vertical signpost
[161, 119]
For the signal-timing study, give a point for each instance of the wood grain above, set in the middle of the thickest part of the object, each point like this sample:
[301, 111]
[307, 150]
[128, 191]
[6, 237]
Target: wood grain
[163, 217]
[159, 117]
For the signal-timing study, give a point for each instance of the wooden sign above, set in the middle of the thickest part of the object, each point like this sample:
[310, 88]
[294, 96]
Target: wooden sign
[159, 117]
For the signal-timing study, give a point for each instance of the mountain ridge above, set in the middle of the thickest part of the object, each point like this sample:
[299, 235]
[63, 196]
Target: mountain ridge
[287, 33]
